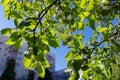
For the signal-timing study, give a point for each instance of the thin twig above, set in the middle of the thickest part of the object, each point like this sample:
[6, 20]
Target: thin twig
[105, 40]
[31, 18]
[40, 16]
[44, 11]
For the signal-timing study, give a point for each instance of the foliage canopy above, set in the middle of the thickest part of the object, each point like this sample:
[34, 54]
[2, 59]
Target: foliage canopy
[44, 23]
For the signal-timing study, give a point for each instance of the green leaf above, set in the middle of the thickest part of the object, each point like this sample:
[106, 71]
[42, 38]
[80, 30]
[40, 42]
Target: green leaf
[28, 55]
[15, 15]
[92, 21]
[116, 46]
[85, 74]
[67, 40]
[24, 23]
[40, 57]
[31, 27]
[35, 50]
[18, 43]
[29, 63]
[77, 64]
[16, 21]
[109, 70]
[90, 5]
[54, 43]
[77, 44]
[82, 3]
[47, 64]
[7, 31]
[102, 29]
[13, 38]
[80, 25]
[75, 76]
[5, 2]
[98, 70]
[85, 67]
[68, 56]
[40, 70]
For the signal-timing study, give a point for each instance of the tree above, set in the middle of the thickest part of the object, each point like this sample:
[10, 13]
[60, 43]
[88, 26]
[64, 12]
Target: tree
[9, 73]
[44, 23]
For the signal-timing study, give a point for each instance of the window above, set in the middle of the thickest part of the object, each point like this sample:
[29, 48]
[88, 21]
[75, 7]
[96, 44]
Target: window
[20, 53]
[5, 54]
[12, 55]
[17, 64]
[1, 42]
[18, 58]
[6, 49]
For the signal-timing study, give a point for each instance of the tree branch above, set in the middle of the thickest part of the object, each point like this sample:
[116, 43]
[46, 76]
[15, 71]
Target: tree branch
[40, 16]
[105, 40]
[44, 11]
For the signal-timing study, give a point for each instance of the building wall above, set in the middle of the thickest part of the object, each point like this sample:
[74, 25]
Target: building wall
[8, 52]
[60, 75]
[51, 58]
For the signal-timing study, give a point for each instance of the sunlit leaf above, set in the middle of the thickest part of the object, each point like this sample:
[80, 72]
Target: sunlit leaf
[75, 76]
[80, 25]
[18, 43]
[29, 63]
[15, 15]
[92, 21]
[82, 3]
[54, 43]
[13, 38]
[40, 70]
[85, 74]
[90, 5]
[7, 31]
[68, 56]
[5, 2]
[102, 29]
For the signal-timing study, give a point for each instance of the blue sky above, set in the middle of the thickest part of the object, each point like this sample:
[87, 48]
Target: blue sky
[59, 52]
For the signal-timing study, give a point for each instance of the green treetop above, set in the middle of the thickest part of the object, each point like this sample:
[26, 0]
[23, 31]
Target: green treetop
[44, 23]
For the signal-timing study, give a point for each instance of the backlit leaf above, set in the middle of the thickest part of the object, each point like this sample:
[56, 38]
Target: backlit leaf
[13, 38]
[54, 43]
[68, 56]
[29, 63]
[82, 3]
[90, 5]
[40, 70]
[18, 43]
[92, 21]
[15, 15]
[5, 2]
[102, 29]
[7, 31]
[75, 76]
